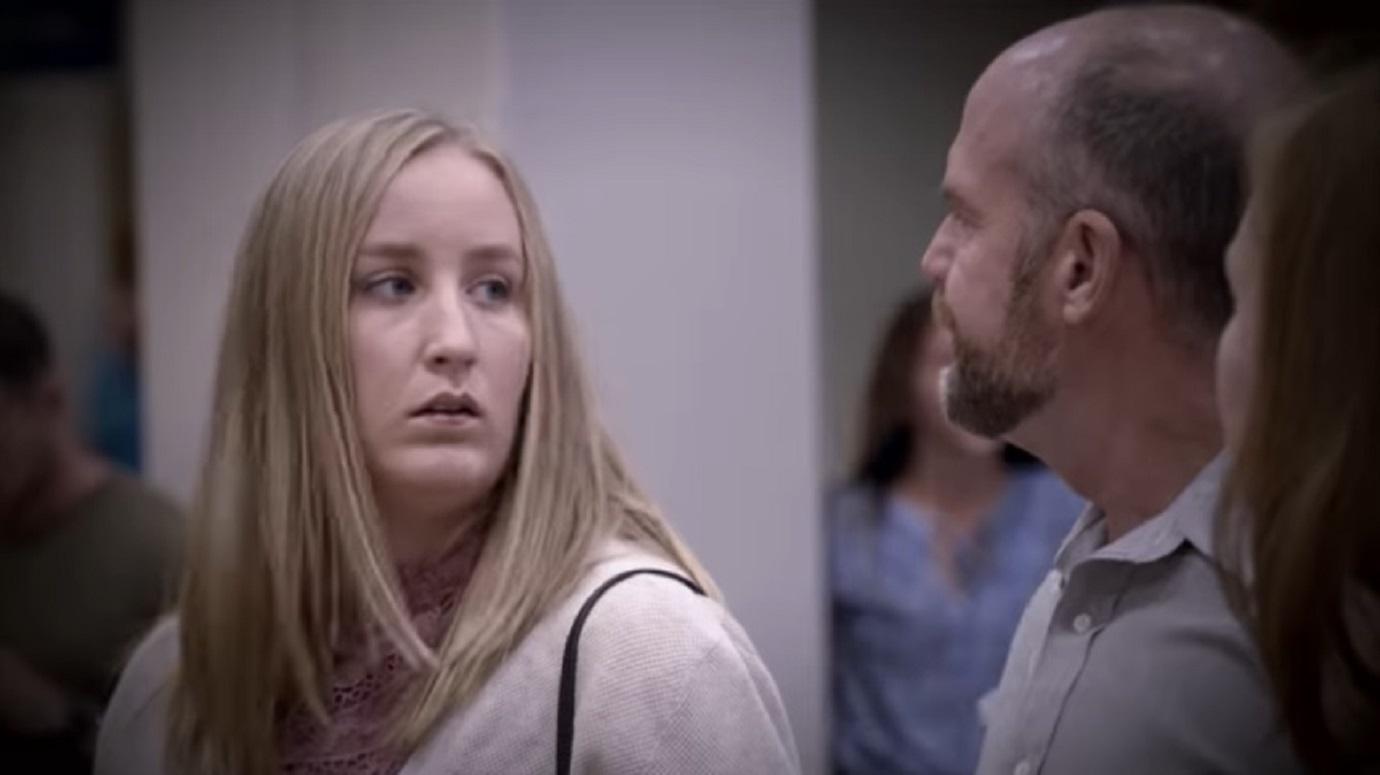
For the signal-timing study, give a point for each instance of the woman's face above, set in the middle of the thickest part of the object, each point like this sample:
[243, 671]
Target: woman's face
[1236, 350]
[936, 353]
[439, 338]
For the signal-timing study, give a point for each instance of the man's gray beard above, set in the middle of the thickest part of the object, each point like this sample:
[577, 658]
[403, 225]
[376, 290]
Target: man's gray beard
[990, 393]
[981, 398]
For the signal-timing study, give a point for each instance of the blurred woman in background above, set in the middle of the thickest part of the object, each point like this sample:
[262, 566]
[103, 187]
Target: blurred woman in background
[1299, 387]
[407, 497]
[935, 547]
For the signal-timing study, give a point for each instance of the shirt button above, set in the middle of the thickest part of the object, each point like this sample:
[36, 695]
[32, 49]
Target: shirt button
[1023, 768]
[1081, 623]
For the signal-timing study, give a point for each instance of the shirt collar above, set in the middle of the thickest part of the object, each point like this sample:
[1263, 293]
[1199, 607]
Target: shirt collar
[1189, 518]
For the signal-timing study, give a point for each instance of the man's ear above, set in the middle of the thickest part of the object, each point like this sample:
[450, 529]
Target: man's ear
[1086, 257]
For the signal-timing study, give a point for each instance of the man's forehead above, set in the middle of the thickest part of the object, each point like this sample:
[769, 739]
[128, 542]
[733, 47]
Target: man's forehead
[990, 134]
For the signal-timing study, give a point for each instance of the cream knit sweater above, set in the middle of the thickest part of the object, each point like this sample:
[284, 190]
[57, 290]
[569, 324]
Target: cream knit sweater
[668, 683]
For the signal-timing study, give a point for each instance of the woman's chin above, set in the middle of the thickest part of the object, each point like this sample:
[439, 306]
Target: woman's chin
[433, 476]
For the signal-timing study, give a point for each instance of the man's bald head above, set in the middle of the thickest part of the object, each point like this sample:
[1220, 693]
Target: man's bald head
[1143, 113]
[1232, 58]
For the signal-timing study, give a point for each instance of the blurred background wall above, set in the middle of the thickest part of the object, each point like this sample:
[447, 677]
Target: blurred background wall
[57, 147]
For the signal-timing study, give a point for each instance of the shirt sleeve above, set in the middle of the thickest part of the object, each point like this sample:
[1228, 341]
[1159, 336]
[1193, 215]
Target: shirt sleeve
[130, 735]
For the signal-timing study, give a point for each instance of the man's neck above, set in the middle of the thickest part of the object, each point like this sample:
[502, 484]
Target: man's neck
[1130, 440]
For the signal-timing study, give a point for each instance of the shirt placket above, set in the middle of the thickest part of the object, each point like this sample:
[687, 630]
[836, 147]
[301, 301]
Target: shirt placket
[1086, 596]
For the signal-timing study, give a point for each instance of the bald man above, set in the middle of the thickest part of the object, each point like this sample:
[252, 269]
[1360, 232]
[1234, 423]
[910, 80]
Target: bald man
[1093, 186]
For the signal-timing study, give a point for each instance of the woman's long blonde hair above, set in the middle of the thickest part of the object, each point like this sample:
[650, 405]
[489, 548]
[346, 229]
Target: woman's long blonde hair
[286, 549]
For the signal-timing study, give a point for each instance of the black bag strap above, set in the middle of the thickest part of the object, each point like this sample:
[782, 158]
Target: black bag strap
[565, 704]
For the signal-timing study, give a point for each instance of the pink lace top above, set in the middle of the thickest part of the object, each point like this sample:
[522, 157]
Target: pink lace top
[365, 684]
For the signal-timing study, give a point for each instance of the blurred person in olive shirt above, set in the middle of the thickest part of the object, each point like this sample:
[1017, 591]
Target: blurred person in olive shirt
[88, 560]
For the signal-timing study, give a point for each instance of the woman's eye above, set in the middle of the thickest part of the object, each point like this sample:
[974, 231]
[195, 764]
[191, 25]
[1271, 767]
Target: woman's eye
[389, 288]
[494, 291]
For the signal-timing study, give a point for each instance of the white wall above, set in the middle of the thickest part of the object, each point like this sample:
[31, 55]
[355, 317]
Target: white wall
[221, 93]
[57, 133]
[668, 145]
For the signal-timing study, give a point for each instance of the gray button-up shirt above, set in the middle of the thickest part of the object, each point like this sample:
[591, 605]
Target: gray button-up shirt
[1128, 660]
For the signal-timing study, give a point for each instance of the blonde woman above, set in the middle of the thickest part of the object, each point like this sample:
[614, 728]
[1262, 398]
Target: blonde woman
[409, 498]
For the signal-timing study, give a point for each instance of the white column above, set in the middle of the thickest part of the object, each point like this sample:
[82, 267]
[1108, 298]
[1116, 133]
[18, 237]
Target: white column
[669, 148]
